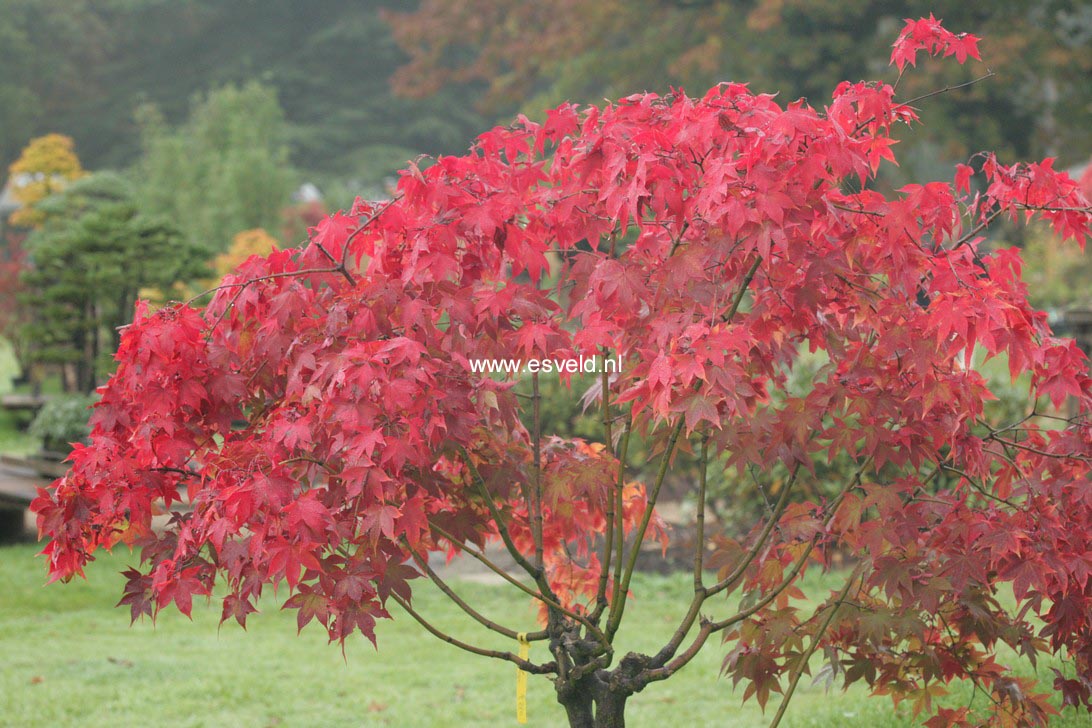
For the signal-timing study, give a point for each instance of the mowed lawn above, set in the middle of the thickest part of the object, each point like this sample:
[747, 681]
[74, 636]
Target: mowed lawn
[68, 657]
[13, 438]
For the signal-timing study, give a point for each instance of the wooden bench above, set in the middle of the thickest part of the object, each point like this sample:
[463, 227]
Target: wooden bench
[23, 402]
[18, 487]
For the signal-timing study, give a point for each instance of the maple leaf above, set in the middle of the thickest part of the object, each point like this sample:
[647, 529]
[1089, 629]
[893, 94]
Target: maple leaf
[699, 409]
[310, 605]
[382, 519]
[1025, 575]
[237, 607]
[308, 512]
[332, 233]
[396, 581]
[963, 178]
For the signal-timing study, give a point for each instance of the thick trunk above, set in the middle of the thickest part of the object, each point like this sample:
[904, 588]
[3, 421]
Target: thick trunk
[577, 699]
[610, 710]
[85, 345]
[591, 703]
[580, 714]
[85, 376]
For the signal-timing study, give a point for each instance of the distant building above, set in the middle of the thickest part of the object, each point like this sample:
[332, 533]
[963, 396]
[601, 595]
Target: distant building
[307, 193]
[8, 205]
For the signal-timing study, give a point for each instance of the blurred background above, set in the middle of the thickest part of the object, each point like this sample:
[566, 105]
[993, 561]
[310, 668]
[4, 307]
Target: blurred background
[342, 93]
[149, 146]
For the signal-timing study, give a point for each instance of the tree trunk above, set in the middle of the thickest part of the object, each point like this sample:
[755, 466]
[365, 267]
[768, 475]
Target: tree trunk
[591, 703]
[579, 711]
[610, 710]
[85, 346]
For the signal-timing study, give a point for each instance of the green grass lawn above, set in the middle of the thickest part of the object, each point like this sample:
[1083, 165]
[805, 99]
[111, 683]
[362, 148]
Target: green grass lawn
[9, 367]
[13, 437]
[69, 658]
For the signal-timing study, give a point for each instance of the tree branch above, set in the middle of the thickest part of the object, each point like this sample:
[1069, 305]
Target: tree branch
[608, 534]
[938, 92]
[976, 230]
[699, 529]
[364, 226]
[549, 600]
[258, 279]
[536, 478]
[859, 210]
[750, 276]
[1036, 451]
[494, 511]
[946, 89]
[799, 564]
[771, 523]
[340, 265]
[618, 608]
[802, 663]
[422, 563]
[701, 593]
[619, 535]
[525, 665]
[978, 486]
[709, 627]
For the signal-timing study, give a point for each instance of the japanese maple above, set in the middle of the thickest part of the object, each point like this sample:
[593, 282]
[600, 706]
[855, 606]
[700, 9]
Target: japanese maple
[322, 416]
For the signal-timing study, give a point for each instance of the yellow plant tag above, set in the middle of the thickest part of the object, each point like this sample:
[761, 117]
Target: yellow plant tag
[521, 679]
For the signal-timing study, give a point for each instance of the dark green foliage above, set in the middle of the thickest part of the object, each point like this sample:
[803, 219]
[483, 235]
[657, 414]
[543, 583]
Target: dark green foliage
[47, 48]
[63, 420]
[89, 260]
[562, 413]
[83, 69]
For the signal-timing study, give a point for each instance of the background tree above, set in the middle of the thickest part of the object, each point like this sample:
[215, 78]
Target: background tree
[223, 171]
[47, 48]
[46, 166]
[534, 55]
[323, 415]
[89, 258]
[82, 68]
[243, 245]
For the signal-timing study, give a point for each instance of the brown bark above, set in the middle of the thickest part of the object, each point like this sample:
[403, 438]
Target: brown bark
[592, 702]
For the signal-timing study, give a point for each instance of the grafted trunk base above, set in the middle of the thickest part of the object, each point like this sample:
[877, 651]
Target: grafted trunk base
[604, 709]
[595, 701]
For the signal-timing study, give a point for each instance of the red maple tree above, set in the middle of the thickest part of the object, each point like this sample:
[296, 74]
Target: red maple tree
[324, 419]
